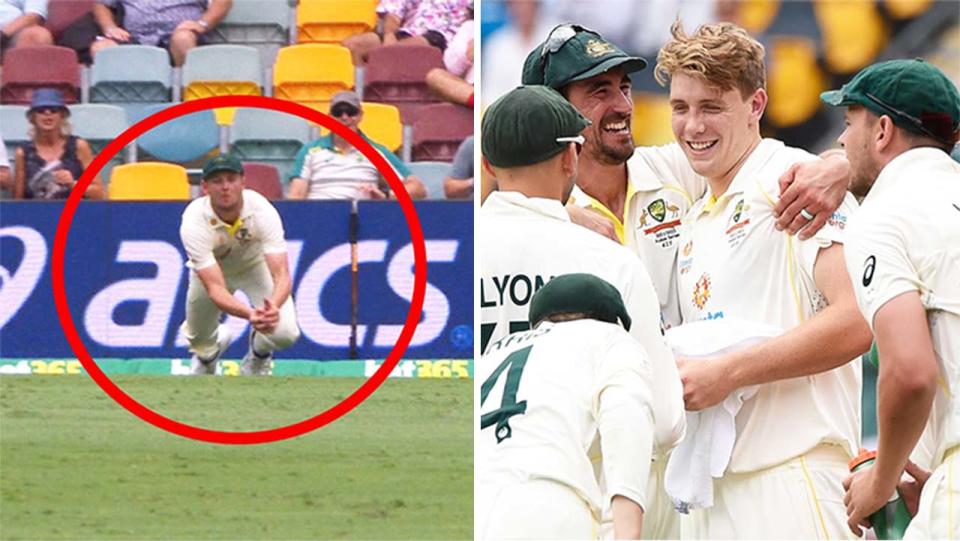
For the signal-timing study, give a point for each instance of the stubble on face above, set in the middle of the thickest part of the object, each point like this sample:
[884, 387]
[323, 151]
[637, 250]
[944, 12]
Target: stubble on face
[607, 102]
[856, 141]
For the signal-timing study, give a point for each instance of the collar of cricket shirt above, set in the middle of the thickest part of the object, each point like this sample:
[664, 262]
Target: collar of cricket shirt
[547, 207]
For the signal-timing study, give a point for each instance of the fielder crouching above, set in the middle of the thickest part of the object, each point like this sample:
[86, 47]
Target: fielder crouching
[234, 240]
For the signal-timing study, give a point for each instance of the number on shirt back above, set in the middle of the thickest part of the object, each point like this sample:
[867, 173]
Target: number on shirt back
[508, 404]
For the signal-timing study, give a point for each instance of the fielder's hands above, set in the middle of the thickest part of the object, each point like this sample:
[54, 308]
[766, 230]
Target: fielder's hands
[863, 497]
[265, 319]
[817, 186]
[910, 488]
[706, 382]
[593, 221]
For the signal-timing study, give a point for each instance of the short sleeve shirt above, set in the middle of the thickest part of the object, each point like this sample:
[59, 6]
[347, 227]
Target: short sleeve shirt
[336, 174]
[661, 187]
[235, 247]
[906, 238]
[578, 379]
[150, 21]
[11, 9]
[732, 262]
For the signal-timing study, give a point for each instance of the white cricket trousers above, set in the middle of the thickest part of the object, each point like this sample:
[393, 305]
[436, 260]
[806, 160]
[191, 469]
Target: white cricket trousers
[799, 499]
[939, 514]
[536, 509]
[203, 317]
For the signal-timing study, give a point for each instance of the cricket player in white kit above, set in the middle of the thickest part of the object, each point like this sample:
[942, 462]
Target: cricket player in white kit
[234, 240]
[795, 436]
[903, 257]
[526, 238]
[577, 386]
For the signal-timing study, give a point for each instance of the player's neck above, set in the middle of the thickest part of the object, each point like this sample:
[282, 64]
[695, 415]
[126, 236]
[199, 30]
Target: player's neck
[720, 184]
[607, 183]
[342, 144]
[229, 216]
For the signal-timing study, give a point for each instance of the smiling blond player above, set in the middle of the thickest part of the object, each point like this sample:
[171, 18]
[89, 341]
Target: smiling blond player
[234, 240]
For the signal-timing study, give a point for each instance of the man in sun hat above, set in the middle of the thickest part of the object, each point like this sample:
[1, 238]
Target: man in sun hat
[529, 141]
[903, 257]
[234, 240]
[536, 476]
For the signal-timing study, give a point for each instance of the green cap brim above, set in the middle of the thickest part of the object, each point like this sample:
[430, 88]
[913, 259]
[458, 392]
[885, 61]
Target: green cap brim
[630, 64]
[834, 98]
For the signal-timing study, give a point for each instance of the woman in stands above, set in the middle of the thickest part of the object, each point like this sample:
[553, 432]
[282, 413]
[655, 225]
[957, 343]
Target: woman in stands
[49, 166]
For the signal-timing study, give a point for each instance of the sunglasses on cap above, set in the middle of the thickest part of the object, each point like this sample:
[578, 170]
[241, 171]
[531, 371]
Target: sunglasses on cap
[341, 109]
[577, 140]
[558, 37]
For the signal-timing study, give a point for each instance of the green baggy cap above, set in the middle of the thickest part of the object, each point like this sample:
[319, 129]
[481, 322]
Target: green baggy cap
[916, 95]
[579, 292]
[574, 53]
[523, 127]
[222, 162]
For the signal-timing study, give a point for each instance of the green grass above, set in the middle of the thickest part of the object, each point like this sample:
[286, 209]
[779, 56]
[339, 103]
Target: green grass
[75, 465]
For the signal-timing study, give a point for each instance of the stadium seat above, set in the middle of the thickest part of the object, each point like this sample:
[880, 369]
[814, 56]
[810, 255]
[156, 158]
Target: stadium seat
[63, 13]
[907, 9]
[14, 126]
[330, 21]
[261, 24]
[311, 74]
[794, 81]
[439, 130]
[432, 174]
[756, 15]
[264, 179]
[27, 68]
[397, 75]
[650, 122]
[148, 180]
[182, 139]
[222, 70]
[99, 124]
[847, 52]
[381, 122]
[260, 135]
[132, 74]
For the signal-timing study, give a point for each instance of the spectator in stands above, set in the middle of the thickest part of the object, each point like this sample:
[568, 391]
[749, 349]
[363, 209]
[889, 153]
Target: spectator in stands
[331, 168]
[412, 22]
[6, 181]
[459, 183]
[455, 83]
[49, 166]
[527, 27]
[175, 25]
[21, 24]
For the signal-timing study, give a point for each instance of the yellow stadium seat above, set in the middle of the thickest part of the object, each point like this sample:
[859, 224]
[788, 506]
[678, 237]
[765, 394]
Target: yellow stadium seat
[311, 74]
[148, 180]
[381, 122]
[755, 16]
[853, 33]
[907, 9]
[650, 123]
[794, 81]
[331, 21]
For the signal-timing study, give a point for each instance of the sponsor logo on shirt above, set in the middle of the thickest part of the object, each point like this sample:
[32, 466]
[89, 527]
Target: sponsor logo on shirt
[837, 220]
[869, 265]
[701, 293]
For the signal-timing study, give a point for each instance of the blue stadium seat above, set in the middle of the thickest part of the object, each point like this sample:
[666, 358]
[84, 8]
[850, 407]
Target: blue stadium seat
[432, 175]
[271, 137]
[99, 124]
[261, 24]
[220, 70]
[14, 126]
[182, 139]
[130, 75]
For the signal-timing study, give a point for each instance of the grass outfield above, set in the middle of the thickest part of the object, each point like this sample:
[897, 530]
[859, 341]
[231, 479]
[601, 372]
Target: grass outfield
[75, 465]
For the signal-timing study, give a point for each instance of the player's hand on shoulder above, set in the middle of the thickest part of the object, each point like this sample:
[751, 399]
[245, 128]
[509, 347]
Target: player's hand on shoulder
[817, 187]
[593, 221]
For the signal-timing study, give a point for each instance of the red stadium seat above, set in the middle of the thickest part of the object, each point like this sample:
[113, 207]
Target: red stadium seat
[27, 68]
[397, 75]
[264, 179]
[439, 130]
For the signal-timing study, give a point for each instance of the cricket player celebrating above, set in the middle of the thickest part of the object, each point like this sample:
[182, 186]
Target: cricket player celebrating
[530, 140]
[794, 438]
[234, 240]
[903, 257]
[576, 386]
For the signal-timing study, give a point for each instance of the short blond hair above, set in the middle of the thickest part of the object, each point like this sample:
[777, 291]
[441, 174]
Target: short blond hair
[722, 54]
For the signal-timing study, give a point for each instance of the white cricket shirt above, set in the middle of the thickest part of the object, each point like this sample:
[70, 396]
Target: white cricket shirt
[732, 262]
[906, 237]
[661, 187]
[524, 242]
[552, 395]
[235, 247]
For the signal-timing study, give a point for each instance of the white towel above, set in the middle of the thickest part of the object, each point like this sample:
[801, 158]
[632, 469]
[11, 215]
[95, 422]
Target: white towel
[705, 451]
